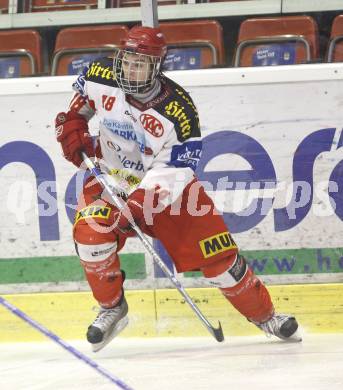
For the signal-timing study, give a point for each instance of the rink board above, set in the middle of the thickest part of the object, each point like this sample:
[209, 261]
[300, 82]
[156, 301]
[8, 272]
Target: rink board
[264, 142]
[163, 313]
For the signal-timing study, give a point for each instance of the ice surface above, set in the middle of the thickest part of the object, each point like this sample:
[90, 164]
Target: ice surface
[240, 363]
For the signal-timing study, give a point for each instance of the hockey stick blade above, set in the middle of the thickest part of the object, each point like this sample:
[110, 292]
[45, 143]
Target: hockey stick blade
[218, 333]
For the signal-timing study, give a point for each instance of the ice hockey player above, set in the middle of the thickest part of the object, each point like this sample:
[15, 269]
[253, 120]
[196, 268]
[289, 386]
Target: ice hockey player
[149, 142]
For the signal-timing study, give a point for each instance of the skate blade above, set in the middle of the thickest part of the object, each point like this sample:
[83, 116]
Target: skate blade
[295, 338]
[121, 325]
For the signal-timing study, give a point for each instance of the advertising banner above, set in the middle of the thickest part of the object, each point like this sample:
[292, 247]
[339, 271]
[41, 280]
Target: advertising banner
[272, 161]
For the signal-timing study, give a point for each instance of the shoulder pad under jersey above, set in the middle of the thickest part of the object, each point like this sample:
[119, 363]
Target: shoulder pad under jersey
[179, 108]
[101, 71]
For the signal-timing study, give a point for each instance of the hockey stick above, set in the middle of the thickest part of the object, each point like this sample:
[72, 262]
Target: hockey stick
[63, 344]
[104, 181]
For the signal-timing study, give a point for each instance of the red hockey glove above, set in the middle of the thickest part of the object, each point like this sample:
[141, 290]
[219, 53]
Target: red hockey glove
[73, 135]
[134, 205]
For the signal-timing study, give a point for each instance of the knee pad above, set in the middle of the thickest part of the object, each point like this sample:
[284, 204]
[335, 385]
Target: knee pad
[94, 244]
[97, 246]
[235, 269]
[96, 252]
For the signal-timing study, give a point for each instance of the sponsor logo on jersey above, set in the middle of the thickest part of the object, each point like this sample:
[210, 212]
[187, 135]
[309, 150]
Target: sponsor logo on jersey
[93, 212]
[175, 110]
[128, 113]
[152, 125]
[116, 126]
[127, 176]
[129, 164]
[125, 130]
[147, 151]
[186, 155]
[100, 71]
[113, 146]
[186, 98]
[221, 242]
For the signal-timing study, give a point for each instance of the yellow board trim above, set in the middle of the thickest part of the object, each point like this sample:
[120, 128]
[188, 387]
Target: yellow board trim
[317, 307]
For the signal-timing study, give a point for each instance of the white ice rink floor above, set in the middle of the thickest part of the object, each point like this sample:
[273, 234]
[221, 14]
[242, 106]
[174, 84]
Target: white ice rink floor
[240, 363]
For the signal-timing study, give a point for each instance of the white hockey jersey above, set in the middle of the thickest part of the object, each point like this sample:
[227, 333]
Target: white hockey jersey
[142, 144]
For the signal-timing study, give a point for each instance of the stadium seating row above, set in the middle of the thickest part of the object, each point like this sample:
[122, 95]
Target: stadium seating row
[63, 5]
[191, 45]
[3, 7]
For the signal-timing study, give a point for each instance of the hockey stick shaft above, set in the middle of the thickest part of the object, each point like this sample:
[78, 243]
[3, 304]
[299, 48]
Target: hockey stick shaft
[217, 333]
[40, 328]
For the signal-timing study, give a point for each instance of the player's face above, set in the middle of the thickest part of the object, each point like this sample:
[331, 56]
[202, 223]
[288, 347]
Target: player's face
[136, 67]
[135, 72]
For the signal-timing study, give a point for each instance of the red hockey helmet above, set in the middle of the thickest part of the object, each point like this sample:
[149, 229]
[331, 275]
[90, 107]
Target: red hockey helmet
[137, 64]
[146, 40]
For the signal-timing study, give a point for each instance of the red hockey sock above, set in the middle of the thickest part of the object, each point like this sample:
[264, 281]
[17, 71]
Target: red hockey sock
[105, 280]
[251, 298]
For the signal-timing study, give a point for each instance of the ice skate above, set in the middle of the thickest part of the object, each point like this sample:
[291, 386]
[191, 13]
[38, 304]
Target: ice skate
[108, 324]
[282, 326]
